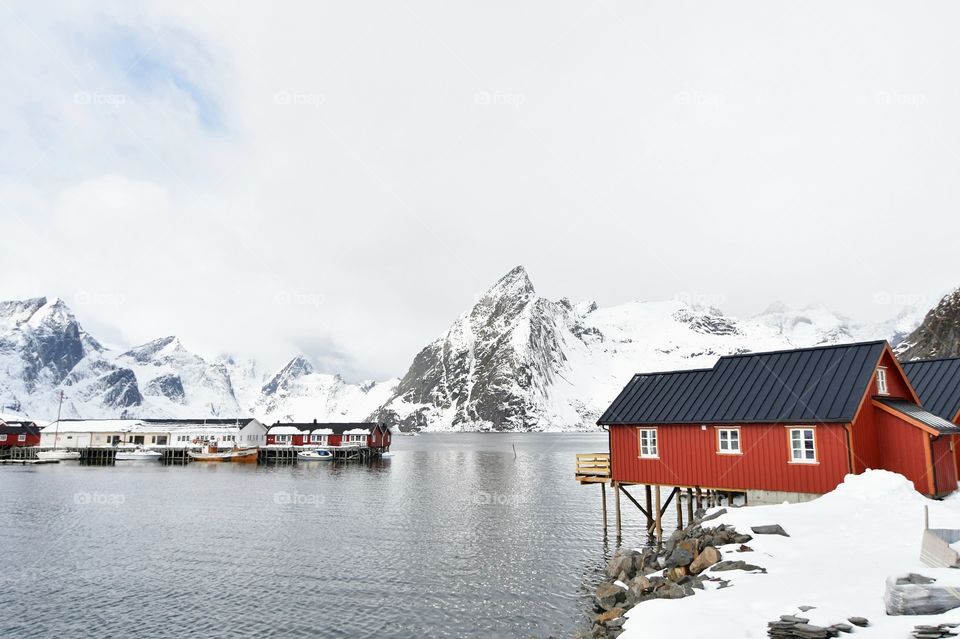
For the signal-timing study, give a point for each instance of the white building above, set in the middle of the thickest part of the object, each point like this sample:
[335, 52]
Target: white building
[224, 433]
[92, 433]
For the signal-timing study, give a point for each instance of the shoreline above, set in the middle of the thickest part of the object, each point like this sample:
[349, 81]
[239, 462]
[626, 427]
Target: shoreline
[826, 566]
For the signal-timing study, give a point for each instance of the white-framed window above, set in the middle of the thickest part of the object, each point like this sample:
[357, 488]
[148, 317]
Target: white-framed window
[648, 443]
[728, 441]
[3, 438]
[803, 446]
[21, 438]
[882, 381]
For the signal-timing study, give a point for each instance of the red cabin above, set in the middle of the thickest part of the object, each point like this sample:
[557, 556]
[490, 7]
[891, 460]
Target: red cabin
[316, 434]
[937, 382]
[785, 425]
[19, 433]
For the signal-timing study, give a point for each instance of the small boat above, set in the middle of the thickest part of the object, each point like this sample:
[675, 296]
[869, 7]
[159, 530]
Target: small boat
[237, 455]
[387, 455]
[58, 454]
[138, 455]
[320, 454]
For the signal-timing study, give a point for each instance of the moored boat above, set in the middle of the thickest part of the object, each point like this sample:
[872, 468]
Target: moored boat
[236, 455]
[320, 454]
[138, 455]
[58, 454]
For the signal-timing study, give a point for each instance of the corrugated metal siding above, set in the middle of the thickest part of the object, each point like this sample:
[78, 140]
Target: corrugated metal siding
[688, 457]
[944, 465]
[812, 385]
[937, 382]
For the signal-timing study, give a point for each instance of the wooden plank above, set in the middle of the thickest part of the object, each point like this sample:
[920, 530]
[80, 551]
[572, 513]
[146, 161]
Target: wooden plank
[635, 502]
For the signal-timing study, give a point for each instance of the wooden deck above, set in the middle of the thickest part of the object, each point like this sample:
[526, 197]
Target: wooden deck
[593, 468]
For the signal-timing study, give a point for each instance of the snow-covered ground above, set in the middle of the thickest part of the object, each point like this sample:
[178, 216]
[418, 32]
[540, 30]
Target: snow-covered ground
[841, 549]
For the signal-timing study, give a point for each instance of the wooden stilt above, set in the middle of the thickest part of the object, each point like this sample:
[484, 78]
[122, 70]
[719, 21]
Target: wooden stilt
[699, 498]
[679, 510]
[659, 520]
[649, 507]
[603, 505]
[690, 505]
[616, 490]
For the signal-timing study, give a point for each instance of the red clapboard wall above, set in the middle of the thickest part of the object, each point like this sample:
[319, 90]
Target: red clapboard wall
[689, 457]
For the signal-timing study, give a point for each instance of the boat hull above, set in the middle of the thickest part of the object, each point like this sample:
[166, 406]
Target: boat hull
[140, 456]
[241, 456]
[60, 455]
[318, 455]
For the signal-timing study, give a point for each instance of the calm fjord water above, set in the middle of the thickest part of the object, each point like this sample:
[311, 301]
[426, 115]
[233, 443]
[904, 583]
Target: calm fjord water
[453, 537]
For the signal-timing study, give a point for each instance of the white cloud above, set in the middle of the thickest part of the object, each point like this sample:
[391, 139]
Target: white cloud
[342, 178]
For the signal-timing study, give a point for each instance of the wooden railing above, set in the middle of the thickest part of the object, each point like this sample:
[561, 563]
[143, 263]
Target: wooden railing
[593, 467]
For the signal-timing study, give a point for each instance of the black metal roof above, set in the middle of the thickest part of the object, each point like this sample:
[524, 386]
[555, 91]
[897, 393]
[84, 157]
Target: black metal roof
[937, 382]
[808, 385]
[942, 426]
[19, 427]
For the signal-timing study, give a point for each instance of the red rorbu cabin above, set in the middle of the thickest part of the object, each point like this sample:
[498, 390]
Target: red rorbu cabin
[784, 425]
[314, 434]
[937, 382]
[19, 433]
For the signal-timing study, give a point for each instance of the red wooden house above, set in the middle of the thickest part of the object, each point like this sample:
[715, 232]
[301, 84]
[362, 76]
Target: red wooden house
[368, 434]
[779, 425]
[19, 433]
[937, 382]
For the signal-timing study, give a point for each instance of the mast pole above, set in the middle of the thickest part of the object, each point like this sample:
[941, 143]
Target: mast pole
[56, 429]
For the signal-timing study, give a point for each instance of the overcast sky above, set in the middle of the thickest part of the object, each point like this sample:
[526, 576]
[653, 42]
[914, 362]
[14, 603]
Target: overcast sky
[342, 178]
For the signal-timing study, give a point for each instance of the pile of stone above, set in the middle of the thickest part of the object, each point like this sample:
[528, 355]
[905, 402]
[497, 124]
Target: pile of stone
[793, 627]
[935, 632]
[675, 571]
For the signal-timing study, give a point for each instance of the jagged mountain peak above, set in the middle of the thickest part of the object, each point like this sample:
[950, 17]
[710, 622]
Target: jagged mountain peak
[938, 334]
[162, 347]
[297, 367]
[515, 284]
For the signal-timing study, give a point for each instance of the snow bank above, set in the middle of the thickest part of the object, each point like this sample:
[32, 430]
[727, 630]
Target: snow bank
[841, 549]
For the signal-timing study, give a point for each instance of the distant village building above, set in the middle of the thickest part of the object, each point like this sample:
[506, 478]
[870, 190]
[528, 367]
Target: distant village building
[781, 425]
[15, 433]
[183, 433]
[369, 434]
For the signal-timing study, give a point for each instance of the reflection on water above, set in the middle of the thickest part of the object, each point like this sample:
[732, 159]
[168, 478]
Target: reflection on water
[459, 535]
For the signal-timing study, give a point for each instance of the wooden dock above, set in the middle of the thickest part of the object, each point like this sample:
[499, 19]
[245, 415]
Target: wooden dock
[595, 468]
[288, 454]
[180, 455]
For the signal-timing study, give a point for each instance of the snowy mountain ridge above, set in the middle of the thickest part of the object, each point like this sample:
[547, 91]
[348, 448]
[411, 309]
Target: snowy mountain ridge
[513, 361]
[517, 361]
[44, 351]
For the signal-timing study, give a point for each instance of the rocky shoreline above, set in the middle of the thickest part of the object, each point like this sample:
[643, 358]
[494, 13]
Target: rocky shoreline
[674, 571]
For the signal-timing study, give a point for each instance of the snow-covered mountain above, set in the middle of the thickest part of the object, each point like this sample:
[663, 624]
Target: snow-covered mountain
[519, 361]
[514, 361]
[44, 351]
[939, 333]
[297, 391]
